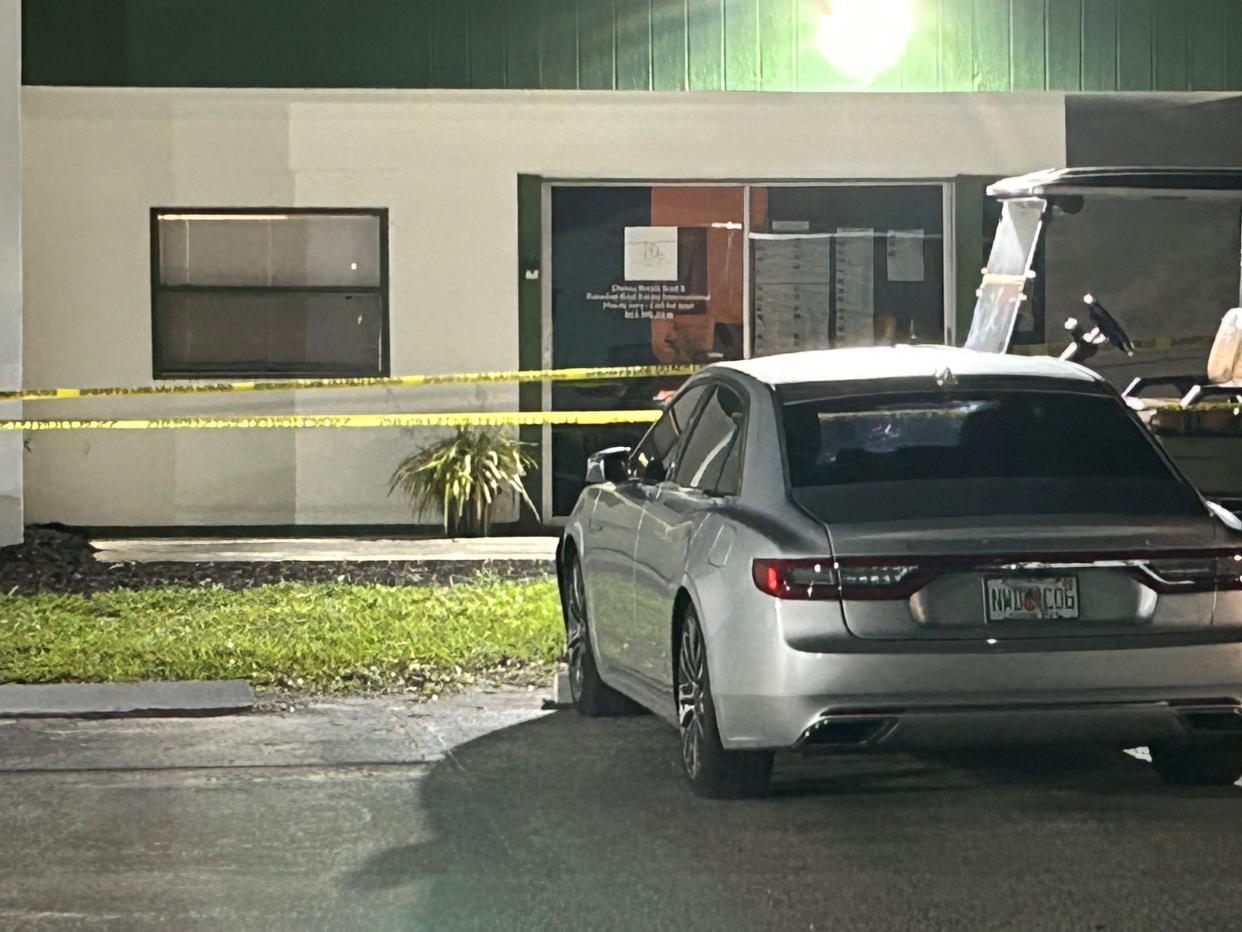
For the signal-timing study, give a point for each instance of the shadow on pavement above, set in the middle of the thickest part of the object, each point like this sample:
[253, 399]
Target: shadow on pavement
[565, 822]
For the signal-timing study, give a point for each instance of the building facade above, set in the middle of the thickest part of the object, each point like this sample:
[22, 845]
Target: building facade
[272, 188]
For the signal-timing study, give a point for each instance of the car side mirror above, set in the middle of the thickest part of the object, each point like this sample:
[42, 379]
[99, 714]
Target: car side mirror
[611, 465]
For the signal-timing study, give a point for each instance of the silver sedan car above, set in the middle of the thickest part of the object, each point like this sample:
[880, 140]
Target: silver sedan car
[904, 547]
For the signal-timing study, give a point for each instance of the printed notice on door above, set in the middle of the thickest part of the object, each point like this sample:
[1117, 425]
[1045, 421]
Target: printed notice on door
[651, 254]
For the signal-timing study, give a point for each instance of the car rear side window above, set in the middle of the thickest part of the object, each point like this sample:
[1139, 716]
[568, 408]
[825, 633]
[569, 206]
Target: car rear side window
[712, 454]
[653, 458]
[1022, 452]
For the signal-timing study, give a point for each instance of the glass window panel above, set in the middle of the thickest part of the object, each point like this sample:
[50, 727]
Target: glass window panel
[294, 333]
[326, 251]
[174, 259]
[653, 459]
[846, 265]
[716, 433]
[216, 251]
[284, 250]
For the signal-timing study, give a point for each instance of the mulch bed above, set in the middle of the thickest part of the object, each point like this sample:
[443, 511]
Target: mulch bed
[56, 560]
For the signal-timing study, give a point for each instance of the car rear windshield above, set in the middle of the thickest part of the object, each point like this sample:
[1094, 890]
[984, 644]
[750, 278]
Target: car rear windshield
[896, 457]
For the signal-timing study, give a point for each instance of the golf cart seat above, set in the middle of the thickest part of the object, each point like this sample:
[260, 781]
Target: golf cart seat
[1224, 369]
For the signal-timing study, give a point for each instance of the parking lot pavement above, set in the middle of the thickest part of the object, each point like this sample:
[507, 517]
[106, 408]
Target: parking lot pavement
[481, 812]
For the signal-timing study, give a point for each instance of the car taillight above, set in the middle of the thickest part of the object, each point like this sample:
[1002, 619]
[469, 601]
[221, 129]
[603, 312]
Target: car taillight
[822, 578]
[796, 579]
[1197, 574]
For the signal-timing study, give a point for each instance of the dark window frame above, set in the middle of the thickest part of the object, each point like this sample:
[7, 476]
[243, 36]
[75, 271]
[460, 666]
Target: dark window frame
[160, 372]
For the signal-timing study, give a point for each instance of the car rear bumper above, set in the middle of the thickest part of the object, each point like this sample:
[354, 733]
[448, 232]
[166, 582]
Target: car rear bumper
[911, 700]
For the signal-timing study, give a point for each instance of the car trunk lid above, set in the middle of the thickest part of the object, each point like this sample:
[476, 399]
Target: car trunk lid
[1027, 577]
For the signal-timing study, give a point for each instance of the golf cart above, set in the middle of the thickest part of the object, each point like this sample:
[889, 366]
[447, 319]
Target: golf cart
[1160, 246]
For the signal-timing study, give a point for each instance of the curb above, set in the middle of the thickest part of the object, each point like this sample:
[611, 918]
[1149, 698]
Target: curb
[118, 700]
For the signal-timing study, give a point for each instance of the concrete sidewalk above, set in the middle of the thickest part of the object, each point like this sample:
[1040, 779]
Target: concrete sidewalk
[318, 549]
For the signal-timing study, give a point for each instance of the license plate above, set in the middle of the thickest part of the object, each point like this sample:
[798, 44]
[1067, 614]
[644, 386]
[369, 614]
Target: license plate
[1031, 599]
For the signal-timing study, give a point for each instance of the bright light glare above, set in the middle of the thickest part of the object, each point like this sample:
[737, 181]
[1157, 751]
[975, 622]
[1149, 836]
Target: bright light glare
[862, 38]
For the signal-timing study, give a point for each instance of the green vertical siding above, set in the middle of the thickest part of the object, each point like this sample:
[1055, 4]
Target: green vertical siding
[1205, 25]
[1232, 28]
[1099, 45]
[990, 45]
[1134, 46]
[1063, 34]
[957, 26]
[487, 43]
[450, 44]
[558, 43]
[920, 66]
[778, 62]
[596, 45]
[1028, 47]
[705, 45]
[633, 27]
[1170, 46]
[522, 37]
[741, 45]
[668, 45]
[672, 45]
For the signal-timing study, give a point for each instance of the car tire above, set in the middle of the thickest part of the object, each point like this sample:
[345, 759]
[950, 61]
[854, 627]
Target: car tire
[712, 771]
[1181, 764]
[591, 696]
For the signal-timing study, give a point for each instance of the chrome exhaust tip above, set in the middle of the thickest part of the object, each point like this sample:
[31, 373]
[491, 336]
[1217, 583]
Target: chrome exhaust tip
[846, 732]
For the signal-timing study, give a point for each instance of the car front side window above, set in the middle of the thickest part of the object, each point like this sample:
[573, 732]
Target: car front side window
[653, 458]
[711, 455]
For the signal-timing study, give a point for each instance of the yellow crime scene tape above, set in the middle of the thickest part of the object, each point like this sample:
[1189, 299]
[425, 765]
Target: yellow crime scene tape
[595, 374]
[450, 419]
[304, 421]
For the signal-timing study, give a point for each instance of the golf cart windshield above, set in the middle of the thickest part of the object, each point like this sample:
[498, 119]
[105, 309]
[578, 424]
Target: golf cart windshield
[1004, 279]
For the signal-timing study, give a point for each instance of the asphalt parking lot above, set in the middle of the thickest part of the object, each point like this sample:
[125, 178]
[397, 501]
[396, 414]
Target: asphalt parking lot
[484, 812]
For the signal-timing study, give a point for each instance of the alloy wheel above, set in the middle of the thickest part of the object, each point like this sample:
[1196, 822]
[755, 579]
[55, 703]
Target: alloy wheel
[575, 631]
[692, 667]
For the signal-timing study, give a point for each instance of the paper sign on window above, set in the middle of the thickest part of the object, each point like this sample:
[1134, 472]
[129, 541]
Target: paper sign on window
[905, 255]
[651, 254]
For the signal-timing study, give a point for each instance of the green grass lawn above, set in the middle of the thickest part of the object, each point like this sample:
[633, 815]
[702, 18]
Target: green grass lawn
[295, 635]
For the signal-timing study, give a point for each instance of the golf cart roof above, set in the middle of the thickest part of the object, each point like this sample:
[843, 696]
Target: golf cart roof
[1136, 181]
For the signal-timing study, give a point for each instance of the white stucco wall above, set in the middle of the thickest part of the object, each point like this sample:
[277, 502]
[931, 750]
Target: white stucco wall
[445, 163]
[10, 265]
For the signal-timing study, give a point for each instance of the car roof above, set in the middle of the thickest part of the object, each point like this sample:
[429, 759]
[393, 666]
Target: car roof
[1134, 181]
[895, 362]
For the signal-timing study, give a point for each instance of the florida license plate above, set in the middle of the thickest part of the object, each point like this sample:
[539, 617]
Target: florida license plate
[1031, 599]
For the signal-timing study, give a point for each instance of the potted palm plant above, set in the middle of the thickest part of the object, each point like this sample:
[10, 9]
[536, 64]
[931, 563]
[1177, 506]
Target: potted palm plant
[463, 475]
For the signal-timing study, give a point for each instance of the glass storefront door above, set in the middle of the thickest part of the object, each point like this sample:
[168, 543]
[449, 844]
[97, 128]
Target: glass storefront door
[645, 274]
